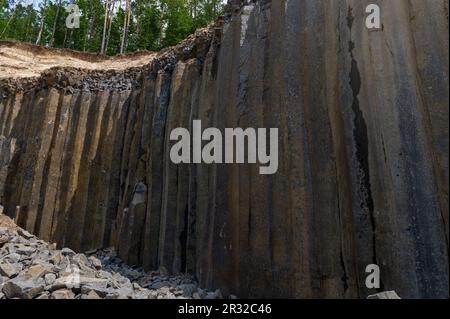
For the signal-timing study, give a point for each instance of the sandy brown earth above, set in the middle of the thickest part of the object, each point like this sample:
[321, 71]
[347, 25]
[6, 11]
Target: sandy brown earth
[18, 60]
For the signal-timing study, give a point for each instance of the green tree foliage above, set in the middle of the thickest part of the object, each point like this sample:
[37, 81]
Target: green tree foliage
[18, 21]
[154, 24]
[146, 32]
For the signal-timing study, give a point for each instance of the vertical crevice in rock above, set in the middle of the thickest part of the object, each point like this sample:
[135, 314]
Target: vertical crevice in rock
[362, 152]
[361, 140]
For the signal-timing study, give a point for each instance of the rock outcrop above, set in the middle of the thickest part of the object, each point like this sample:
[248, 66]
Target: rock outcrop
[363, 152]
[385, 295]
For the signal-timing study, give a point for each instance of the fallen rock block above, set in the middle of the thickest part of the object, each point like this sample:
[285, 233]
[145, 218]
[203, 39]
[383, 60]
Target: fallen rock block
[10, 270]
[23, 288]
[50, 279]
[188, 289]
[62, 294]
[91, 295]
[214, 295]
[44, 295]
[67, 252]
[56, 258]
[25, 234]
[12, 258]
[77, 281]
[385, 295]
[102, 292]
[3, 239]
[36, 272]
[25, 250]
[95, 262]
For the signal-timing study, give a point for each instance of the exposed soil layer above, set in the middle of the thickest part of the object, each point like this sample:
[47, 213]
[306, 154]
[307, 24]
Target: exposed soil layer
[28, 67]
[19, 60]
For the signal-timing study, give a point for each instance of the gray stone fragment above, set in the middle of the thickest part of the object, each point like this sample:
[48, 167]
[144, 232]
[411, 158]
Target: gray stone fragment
[9, 270]
[188, 289]
[62, 294]
[159, 285]
[25, 250]
[78, 281]
[56, 257]
[24, 234]
[83, 263]
[12, 258]
[44, 295]
[36, 271]
[95, 262]
[67, 252]
[91, 295]
[100, 291]
[214, 295]
[140, 295]
[3, 239]
[50, 278]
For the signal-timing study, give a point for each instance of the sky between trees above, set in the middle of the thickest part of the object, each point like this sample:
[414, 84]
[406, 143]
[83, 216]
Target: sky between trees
[106, 26]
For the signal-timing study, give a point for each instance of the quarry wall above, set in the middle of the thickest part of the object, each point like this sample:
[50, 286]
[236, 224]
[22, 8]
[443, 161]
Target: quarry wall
[363, 152]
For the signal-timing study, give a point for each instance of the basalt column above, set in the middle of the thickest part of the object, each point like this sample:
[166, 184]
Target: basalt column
[362, 117]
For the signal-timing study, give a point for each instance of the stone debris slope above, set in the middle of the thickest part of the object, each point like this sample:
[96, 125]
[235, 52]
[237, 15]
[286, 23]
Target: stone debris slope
[31, 268]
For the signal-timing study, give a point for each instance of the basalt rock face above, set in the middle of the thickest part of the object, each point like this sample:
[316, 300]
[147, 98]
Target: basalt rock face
[363, 152]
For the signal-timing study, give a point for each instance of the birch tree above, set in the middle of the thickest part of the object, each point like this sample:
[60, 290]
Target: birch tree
[41, 28]
[55, 23]
[126, 26]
